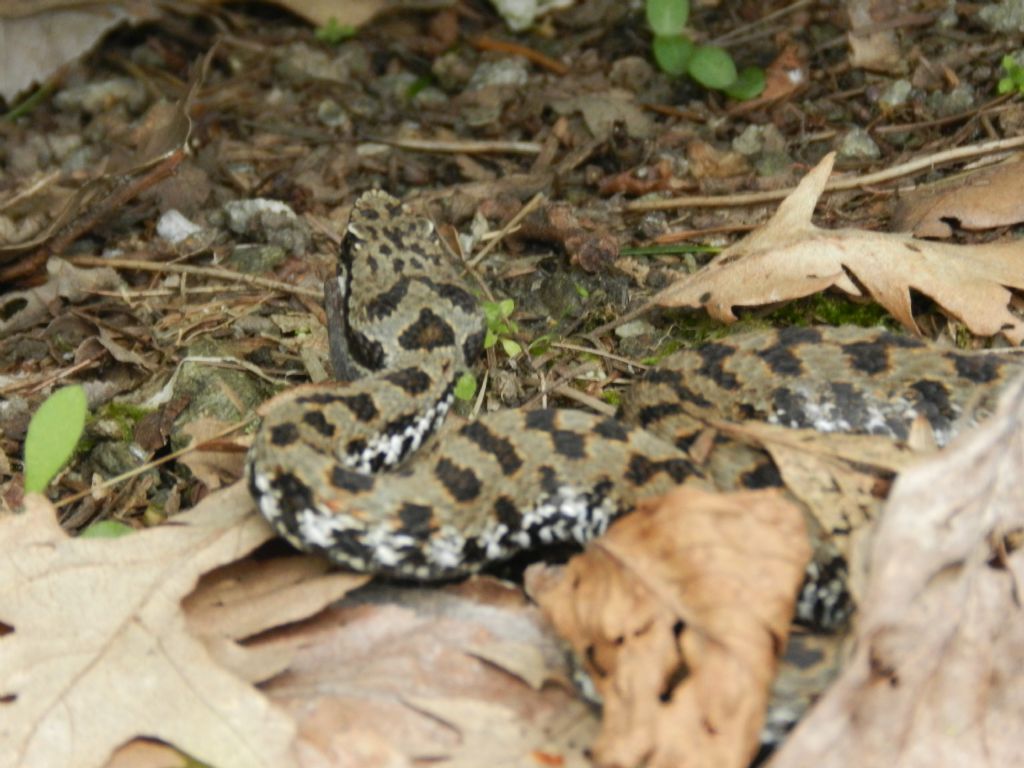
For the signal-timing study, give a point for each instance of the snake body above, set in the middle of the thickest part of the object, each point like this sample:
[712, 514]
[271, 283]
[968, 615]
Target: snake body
[477, 492]
[369, 471]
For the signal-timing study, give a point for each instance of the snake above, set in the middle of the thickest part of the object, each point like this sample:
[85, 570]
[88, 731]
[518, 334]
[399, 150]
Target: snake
[372, 471]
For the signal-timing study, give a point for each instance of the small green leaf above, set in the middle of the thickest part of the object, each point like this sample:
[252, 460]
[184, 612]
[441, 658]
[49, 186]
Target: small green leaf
[106, 529]
[506, 306]
[1006, 85]
[511, 347]
[465, 387]
[52, 436]
[333, 33]
[540, 345]
[492, 312]
[582, 291]
[673, 53]
[712, 67]
[749, 84]
[490, 339]
[667, 17]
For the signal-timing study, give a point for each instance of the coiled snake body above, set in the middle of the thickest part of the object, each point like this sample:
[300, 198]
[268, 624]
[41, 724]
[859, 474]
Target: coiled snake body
[369, 472]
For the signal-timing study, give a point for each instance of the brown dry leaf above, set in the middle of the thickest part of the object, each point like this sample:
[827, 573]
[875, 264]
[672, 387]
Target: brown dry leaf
[214, 467]
[989, 198]
[786, 75]
[353, 13]
[679, 613]
[708, 162]
[937, 678]
[23, 309]
[248, 597]
[873, 44]
[841, 479]
[446, 675]
[37, 37]
[99, 651]
[788, 257]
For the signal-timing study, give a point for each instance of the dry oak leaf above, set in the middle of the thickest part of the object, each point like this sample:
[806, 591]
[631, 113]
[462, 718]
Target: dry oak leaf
[678, 613]
[788, 257]
[985, 199]
[99, 651]
[937, 677]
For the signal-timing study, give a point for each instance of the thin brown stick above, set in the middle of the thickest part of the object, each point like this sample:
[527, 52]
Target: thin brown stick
[671, 238]
[925, 162]
[486, 43]
[643, 309]
[759, 27]
[113, 202]
[525, 211]
[189, 269]
[37, 383]
[595, 404]
[463, 147]
[995, 106]
[599, 353]
[162, 460]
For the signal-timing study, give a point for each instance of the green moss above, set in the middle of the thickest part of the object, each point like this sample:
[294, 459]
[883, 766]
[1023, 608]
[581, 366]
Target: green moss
[612, 397]
[828, 309]
[697, 329]
[125, 416]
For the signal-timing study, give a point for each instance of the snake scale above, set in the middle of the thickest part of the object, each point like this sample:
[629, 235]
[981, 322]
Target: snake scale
[369, 471]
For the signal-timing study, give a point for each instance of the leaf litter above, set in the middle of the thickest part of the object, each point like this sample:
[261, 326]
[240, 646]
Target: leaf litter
[679, 613]
[788, 257]
[509, 693]
[984, 199]
[95, 658]
[936, 676]
[449, 674]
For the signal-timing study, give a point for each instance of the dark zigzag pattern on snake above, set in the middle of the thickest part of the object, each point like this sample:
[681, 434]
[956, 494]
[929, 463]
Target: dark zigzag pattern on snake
[371, 474]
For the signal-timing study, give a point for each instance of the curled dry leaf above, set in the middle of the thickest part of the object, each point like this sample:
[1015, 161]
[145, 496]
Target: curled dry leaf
[788, 257]
[679, 614]
[23, 309]
[38, 38]
[786, 75]
[248, 597]
[937, 678]
[988, 198]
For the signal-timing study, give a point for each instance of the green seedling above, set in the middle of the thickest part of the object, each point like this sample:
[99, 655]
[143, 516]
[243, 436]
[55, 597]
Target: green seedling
[465, 387]
[52, 436]
[501, 327]
[1014, 80]
[333, 32]
[711, 66]
[106, 529]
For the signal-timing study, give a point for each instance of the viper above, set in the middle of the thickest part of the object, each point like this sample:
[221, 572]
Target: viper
[370, 472]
